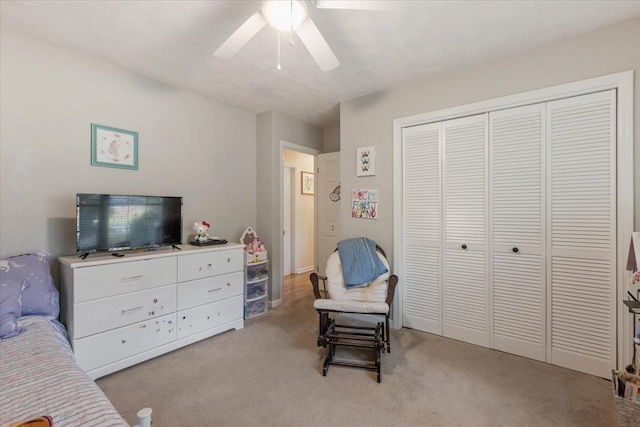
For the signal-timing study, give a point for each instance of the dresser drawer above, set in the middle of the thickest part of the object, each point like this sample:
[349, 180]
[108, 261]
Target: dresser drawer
[124, 277]
[207, 264]
[204, 291]
[110, 313]
[209, 316]
[112, 346]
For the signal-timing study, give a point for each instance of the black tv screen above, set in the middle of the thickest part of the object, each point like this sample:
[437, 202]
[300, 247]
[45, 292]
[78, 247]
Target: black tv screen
[106, 222]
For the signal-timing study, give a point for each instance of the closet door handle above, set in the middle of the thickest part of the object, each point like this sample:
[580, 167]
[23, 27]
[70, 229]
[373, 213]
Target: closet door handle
[464, 246]
[515, 250]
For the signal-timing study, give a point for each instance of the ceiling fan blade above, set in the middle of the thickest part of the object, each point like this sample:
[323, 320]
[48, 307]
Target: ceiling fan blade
[317, 45]
[354, 4]
[241, 36]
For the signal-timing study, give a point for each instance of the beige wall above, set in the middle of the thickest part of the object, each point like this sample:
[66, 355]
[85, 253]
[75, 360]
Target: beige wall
[304, 213]
[189, 146]
[369, 120]
[272, 129]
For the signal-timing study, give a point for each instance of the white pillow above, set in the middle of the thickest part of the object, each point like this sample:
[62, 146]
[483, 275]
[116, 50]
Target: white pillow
[376, 291]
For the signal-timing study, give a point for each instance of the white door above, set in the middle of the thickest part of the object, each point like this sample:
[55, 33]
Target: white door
[287, 216]
[517, 228]
[581, 274]
[328, 199]
[510, 241]
[465, 171]
[422, 228]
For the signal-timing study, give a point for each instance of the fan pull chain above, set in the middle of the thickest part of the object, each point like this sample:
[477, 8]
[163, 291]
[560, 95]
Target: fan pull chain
[278, 67]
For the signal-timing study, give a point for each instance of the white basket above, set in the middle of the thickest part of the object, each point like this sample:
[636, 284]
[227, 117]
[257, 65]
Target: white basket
[628, 411]
[252, 257]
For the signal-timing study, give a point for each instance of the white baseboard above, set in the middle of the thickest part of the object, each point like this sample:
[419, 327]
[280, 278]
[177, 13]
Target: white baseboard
[273, 304]
[305, 269]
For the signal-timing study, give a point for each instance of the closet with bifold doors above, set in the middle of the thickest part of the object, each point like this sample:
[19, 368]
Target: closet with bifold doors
[509, 230]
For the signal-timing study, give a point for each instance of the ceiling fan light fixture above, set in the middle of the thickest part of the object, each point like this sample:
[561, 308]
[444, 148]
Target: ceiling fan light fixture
[284, 16]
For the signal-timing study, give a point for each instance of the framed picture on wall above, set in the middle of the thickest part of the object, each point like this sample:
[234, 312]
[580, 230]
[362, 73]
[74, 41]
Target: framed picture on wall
[366, 161]
[113, 147]
[307, 183]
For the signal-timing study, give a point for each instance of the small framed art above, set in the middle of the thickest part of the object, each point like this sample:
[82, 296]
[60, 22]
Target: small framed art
[307, 183]
[364, 204]
[366, 161]
[113, 147]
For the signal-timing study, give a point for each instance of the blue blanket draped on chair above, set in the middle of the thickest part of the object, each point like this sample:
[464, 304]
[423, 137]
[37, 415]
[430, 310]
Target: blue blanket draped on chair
[360, 262]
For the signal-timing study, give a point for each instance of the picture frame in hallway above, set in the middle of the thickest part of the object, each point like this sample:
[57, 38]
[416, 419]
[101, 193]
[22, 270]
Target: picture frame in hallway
[307, 183]
[114, 148]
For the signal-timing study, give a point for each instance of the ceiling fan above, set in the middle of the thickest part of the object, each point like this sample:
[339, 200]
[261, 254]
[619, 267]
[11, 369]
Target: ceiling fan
[289, 16]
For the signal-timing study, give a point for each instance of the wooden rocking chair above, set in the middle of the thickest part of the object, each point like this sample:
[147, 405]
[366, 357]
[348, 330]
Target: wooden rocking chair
[375, 299]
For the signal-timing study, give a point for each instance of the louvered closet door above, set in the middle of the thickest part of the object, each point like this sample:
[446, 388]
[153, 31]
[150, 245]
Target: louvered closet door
[466, 303]
[517, 222]
[421, 282]
[582, 219]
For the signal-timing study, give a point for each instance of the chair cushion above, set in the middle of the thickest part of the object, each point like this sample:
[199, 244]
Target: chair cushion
[351, 306]
[375, 292]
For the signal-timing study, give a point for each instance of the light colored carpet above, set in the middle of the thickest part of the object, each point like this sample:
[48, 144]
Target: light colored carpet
[270, 374]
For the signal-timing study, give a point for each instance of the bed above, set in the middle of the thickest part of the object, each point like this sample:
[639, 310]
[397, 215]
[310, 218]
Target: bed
[38, 376]
[38, 373]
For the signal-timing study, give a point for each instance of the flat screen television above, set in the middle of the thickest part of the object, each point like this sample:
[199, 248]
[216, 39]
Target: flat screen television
[108, 222]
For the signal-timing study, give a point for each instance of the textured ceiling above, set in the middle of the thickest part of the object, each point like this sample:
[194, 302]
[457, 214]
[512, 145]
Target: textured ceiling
[174, 41]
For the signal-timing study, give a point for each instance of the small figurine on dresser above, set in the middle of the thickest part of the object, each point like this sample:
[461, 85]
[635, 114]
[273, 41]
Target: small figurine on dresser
[202, 237]
[202, 231]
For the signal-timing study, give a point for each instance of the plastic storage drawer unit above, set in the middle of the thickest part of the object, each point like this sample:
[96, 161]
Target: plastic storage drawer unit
[256, 308]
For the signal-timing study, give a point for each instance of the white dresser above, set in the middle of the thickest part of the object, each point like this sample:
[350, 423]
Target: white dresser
[122, 311]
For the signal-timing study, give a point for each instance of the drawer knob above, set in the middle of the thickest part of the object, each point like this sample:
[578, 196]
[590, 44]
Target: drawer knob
[124, 341]
[228, 259]
[209, 265]
[464, 246]
[228, 284]
[515, 250]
